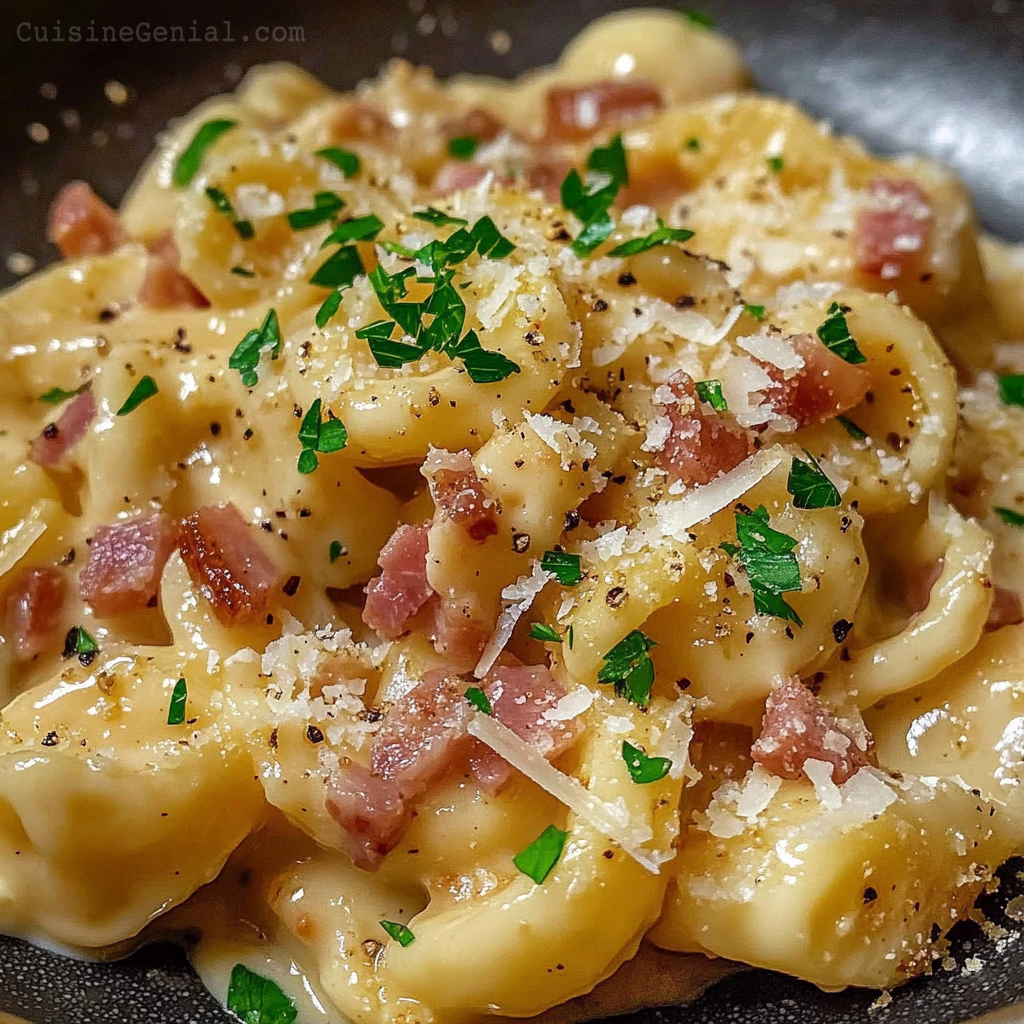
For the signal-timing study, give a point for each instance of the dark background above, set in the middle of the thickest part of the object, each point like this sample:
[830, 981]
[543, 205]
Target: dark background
[945, 77]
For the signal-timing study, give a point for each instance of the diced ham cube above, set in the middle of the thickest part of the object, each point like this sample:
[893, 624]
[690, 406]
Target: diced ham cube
[519, 696]
[401, 589]
[459, 494]
[823, 388]
[574, 112]
[701, 443]
[81, 224]
[796, 726]
[370, 811]
[125, 563]
[456, 175]
[32, 607]
[226, 563]
[1006, 610]
[893, 228]
[58, 438]
[165, 286]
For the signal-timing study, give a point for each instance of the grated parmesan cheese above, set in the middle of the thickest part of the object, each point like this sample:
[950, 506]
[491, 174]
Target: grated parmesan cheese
[521, 595]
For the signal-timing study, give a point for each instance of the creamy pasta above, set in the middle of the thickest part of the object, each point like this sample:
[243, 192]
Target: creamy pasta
[457, 532]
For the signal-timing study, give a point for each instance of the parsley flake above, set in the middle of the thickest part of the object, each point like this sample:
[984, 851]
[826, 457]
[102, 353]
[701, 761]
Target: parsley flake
[191, 158]
[146, 388]
[57, 395]
[692, 144]
[1011, 389]
[246, 356]
[222, 204]
[327, 309]
[851, 428]
[347, 162]
[479, 700]
[699, 19]
[776, 164]
[340, 269]
[1009, 516]
[242, 271]
[337, 549]
[258, 1000]
[590, 199]
[710, 391]
[432, 215]
[809, 485]
[767, 557]
[315, 436]
[463, 147]
[835, 335]
[79, 641]
[356, 229]
[661, 235]
[756, 311]
[326, 206]
[644, 769]
[176, 710]
[564, 566]
[402, 935]
[544, 633]
[537, 860]
[629, 667]
[484, 366]
[569, 636]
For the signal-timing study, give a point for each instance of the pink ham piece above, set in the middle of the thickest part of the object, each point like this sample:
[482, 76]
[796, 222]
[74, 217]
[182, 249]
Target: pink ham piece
[477, 123]
[798, 726]
[576, 112]
[893, 228]
[456, 175]
[81, 224]
[371, 812]
[32, 606]
[226, 563]
[702, 443]
[165, 286]
[823, 388]
[1006, 610]
[125, 563]
[58, 438]
[459, 494]
[401, 589]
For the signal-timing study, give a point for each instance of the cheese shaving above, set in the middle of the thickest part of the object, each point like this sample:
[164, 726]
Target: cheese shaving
[521, 594]
[16, 542]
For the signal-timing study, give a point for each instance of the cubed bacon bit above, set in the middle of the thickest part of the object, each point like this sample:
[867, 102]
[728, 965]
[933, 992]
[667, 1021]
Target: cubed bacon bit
[893, 228]
[479, 123]
[546, 175]
[401, 589]
[574, 112]
[370, 810]
[165, 286]
[701, 443]
[459, 494]
[796, 726]
[823, 388]
[32, 606]
[58, 438]
[125, 564]
[456, 175]
[81, 224]
[226, 563]
[1006, 610]
[519, 696]
[458, 637]
[357, 119]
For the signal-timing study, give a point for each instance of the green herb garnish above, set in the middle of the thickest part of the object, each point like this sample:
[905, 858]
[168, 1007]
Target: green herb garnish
[629, 667]
[756, 311]
[710, 391]
[337, 550]
[544, 633]
[57, 395]
[340, 269]
[1011, 389]
[326, 206]
[479, 699]
[644, 769]
[463, 147]
[484, 366]
[775, 164]
[79, 641]
[1009, 516]
[809, 485]
[242, 271]
[315, 436]
[357, 229]
[537, 860]
[402, 935]
[146, 388]
[851, 428]
[661, 235]
[222, 204]
[191, 158]
[692, 144]
[835, 335]
[564, 566]
[258, 1000]
[176, 710]
[347, 162]
[246, 356]
[569, 636]
[327, 309]
[432, 215]
[699, 19]
[591, 199]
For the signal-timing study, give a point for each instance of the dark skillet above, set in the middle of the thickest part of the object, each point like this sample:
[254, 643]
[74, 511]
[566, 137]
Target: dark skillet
[943, 77]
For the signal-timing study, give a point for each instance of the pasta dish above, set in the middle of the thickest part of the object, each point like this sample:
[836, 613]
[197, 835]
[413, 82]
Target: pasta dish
[458, 534]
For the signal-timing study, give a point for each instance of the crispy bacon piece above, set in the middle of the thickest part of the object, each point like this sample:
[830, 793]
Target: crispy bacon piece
[1006, 610]
[893, 229]
[165, 286]
[574, 112]
[371, 812]
[32, 607]
[401, 589]
[459, 494]
[58, 438]
[479, 123]
[822, 389]
[227, 563]
[125, 563]
[81, 224]
[797, 726]
[701, 443]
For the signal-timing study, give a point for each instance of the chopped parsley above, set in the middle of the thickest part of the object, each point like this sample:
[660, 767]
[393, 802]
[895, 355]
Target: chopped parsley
[644, 769]
[537, 860]
[176, 710]
[337, 549]
[479, 700]
[710, 391]
[692, 144]
[432, 215]
[191, 158]
[775, 164]
[756, 311]
[699, 19]
[661, 235]
[851, 428]
[315, 436]
[809, 485]
[347, 162]
[326, 206]
[544, 633]
[1009, 516]
[835, 335]
[246, 356]
[222, 204]
[340, 269]
[484, 366]
[242, 271]
[564, 566]
[79, 641]
[767, 557]
[1011, 389]
[402, 935]
[590, 199]
[57, 395]
[328, 308]
[569, 636]
[629, 667]
[357, 229]
[463, 147]
[146, 388]
[258, 1000]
